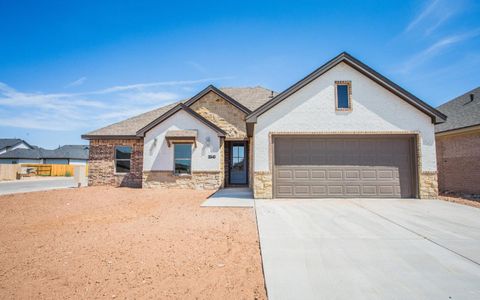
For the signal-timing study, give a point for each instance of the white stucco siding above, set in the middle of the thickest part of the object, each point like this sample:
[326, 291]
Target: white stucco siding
[159, 157]
[312, 109]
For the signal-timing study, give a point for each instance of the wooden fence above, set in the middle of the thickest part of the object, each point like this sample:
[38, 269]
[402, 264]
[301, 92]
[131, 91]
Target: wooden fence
[53, 170]
[8, 171]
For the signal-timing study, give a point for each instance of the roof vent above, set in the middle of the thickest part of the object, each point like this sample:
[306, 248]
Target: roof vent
[271, 95]
[472, 96]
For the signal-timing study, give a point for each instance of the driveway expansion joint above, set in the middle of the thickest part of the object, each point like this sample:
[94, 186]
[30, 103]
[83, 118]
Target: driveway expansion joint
[416, 233]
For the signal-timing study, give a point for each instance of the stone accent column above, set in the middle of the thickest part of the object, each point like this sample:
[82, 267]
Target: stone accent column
[262, 186]
[428, 185]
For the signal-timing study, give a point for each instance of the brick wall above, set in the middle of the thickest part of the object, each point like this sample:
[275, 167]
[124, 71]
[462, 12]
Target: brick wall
[101, 169]
[458, 159]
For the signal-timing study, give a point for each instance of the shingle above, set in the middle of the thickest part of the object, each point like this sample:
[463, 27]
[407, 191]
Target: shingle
[67, 151]
[9, 142]
[461, 112]
[250, 97]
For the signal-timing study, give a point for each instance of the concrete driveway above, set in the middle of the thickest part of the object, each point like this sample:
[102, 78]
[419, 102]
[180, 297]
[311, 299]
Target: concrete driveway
[369, 249]
[36, 184]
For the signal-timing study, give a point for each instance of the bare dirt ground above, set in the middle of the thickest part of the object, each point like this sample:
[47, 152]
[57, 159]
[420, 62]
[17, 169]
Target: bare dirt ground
[461, 199]
[121, 243]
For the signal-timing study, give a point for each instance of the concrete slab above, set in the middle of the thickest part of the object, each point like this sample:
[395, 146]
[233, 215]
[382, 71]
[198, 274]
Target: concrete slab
[347, 249]
[35, 185]
[231, 197]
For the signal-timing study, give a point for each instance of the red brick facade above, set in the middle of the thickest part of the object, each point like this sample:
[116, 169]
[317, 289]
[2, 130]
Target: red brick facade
[101, 169]
[458, 159]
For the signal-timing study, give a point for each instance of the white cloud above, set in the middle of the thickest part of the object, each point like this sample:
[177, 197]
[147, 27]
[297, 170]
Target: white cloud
[436, 48]
[142, 86]
[77, 82]
[88, 110]
[434, 14]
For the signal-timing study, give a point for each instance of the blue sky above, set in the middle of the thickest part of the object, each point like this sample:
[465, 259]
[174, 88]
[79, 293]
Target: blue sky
[69, 68]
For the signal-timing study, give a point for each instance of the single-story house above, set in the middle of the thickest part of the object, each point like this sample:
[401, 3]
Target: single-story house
[12, 144]
[458, 145]
[342, 131]
[67, 155]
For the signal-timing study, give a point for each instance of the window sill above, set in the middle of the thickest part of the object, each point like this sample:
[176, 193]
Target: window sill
[182, 175]
[120, 174]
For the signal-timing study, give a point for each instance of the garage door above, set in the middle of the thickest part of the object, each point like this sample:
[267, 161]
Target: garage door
[336, 167]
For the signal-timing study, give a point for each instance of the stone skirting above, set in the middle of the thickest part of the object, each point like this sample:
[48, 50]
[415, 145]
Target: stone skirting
[101, 163]
[428, 185]
[199, 180]
[262, 185]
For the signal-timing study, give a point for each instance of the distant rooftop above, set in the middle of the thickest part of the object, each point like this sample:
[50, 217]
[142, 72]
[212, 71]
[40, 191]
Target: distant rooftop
[462, 112]
[65, 152]
[4, 143]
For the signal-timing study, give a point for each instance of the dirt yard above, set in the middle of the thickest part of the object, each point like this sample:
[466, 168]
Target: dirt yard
[126, 243]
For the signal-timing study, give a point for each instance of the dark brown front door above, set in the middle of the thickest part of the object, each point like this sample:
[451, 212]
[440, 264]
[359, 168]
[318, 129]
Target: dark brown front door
[238, 163]
[340, 167]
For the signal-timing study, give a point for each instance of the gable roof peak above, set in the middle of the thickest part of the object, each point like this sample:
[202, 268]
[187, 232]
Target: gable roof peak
[212, 88]
[436, 116]
[180, 106]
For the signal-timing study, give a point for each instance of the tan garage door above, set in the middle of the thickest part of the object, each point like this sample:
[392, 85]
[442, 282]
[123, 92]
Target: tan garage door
[340, 167]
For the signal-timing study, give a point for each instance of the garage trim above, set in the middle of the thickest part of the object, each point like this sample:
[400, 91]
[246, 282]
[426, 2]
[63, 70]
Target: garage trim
[416, 155]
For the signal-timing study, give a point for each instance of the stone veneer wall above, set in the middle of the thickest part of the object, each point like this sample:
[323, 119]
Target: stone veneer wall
[428, 185]
[199, 180]
[262, 185]
[223, 114]
[101, 163]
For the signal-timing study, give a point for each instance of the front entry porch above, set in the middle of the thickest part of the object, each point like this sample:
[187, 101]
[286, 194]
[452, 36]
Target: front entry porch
[231, 197]
[236, 164]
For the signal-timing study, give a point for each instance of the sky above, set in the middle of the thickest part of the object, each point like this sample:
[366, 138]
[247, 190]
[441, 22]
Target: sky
[70, 67]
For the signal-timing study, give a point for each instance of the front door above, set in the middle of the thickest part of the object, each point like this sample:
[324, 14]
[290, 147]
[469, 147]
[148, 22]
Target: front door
[238, 163]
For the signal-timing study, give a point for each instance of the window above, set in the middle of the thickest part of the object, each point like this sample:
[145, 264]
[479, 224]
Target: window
[343, 91]
[182, 158]
[123, 155]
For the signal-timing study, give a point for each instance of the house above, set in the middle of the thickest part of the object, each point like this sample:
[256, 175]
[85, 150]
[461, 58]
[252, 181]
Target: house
[12, 144]
[458, 145]
[68, 155]
[342, 131]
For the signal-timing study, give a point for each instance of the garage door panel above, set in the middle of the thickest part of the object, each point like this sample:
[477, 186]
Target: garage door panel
[319, 174]
[353, 190]
[348, 167]
[301, 190]
[284, 190]
[302, 174]
[318, 190]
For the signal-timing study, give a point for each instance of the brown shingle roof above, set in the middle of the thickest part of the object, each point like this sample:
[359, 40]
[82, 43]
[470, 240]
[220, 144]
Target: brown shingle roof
[250, 97]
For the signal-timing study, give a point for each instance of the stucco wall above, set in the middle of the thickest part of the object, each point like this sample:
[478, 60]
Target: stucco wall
[157, 156]
[374, 109]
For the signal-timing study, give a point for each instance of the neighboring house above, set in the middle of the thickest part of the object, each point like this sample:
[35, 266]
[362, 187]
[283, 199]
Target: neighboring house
[68, 154]
[12, 144]
[458, 145]
[342, 131]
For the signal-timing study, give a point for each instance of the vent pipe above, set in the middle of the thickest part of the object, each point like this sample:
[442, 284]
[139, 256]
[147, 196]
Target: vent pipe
[472, 96]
